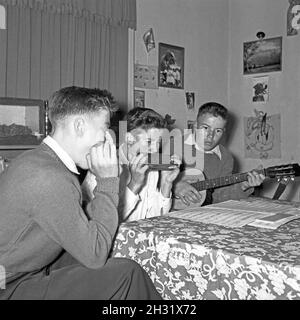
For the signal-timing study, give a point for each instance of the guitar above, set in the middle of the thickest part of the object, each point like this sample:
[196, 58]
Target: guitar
[197, 179]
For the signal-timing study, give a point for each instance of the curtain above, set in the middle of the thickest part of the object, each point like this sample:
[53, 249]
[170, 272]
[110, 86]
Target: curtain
[49, 44]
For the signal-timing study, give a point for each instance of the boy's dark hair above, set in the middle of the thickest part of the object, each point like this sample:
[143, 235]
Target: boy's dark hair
[78, 100]
[214, 108]
[144, 118]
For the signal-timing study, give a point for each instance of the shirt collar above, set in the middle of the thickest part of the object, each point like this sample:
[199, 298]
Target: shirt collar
[61, 153]
[191, 141]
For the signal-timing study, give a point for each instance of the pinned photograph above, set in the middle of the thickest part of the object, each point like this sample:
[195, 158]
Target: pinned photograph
[260, 89]
[190, 100]
[139, 98]
[263, 55]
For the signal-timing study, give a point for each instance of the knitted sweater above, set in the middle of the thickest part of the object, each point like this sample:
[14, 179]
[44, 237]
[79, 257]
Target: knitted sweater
[214, 167]
[41, 214]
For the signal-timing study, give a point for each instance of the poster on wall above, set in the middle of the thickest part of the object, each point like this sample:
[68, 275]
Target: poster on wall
[262, 136]
[262, 55]
[145, 76]
[260, 89]
[139, 99]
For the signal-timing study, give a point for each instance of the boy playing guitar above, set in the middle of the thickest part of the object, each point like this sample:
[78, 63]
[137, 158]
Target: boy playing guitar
[216, 162]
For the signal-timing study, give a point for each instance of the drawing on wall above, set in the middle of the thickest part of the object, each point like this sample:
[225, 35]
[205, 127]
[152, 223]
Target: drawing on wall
[293, 18]
[145, 76]
[260, 87]
[148, 38]
[262, 55]
[171, 66]
[262, 136]
[190, 100]
[139, 98]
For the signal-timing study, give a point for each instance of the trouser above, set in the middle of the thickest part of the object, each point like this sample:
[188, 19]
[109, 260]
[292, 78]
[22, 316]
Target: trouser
[66, 279]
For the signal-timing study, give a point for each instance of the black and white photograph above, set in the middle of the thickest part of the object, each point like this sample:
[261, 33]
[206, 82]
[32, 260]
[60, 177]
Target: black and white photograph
[139, 98]
[170, 66]
[262, 56]
[150, 152]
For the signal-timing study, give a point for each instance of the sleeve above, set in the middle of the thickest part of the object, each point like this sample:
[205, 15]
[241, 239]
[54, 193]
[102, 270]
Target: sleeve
[231, 192]
[87, 236]
[165, 204]
[88, 186]
[128, 202]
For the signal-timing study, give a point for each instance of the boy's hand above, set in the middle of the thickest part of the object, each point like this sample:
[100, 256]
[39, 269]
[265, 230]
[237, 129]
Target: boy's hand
[138, 171]
[187, 193]
[102, 159]
[255, 179]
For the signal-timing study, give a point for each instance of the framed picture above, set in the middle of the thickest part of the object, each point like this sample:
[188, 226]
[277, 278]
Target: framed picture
[170, 66]
[139, 98]
[22, 123]
[263, 55]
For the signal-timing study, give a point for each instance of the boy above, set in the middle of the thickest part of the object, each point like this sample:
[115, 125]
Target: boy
[216, 161]
[48, 243]
[140, 195]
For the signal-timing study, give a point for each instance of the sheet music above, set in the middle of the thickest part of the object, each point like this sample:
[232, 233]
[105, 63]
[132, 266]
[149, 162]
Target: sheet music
[236, 214]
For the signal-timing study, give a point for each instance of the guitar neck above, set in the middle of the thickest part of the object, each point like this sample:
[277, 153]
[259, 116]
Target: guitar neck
[223, 181]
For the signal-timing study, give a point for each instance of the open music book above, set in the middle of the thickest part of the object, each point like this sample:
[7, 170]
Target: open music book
[258, 213]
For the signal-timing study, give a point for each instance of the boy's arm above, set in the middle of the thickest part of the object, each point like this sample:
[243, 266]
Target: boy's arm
[87, 236]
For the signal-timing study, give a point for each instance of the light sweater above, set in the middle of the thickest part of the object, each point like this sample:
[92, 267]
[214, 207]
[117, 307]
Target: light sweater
[41, 214]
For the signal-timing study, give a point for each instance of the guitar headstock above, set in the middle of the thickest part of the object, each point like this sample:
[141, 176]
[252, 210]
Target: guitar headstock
[283, 171]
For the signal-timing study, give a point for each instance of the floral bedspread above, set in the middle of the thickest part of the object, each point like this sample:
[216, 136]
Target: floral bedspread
[193, 260]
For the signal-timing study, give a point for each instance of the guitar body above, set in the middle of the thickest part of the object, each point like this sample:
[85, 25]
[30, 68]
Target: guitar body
[190, 175]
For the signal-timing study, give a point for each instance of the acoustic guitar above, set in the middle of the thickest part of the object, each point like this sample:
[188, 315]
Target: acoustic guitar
[197, 179]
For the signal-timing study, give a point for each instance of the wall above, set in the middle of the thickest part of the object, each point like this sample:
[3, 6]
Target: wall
[201, 27]
[246, 18]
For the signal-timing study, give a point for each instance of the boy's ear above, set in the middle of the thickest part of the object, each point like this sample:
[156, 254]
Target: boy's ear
[79, 126]
[130, 139]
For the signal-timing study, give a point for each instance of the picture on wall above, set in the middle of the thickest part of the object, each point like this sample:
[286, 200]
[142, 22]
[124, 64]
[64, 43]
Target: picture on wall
[170, 66]
[260, 86]
[263, 55]
[190, 100]
[145, 76]
[22, 123]
[139, 98]
[262, 136]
